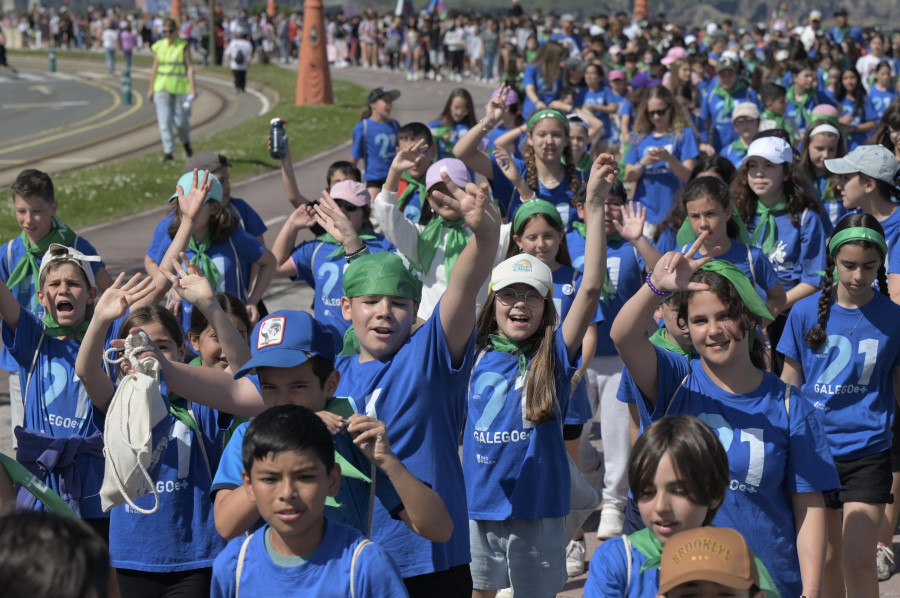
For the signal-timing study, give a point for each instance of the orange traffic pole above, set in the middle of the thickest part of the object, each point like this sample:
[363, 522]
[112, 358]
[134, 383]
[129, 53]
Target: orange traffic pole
[176, 11]
[313, 76]
[643, 7]
[271, 8]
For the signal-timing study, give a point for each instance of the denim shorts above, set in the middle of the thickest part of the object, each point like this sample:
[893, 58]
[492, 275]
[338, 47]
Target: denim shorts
[529, 554]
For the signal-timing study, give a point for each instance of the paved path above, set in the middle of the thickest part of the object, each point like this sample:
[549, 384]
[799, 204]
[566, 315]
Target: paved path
[123, 243]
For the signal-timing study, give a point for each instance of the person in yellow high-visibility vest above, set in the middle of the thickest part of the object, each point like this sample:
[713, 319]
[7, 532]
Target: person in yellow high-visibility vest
[172, 88]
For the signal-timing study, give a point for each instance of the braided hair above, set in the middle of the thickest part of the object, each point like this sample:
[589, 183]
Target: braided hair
[816, 336]
[531, 175]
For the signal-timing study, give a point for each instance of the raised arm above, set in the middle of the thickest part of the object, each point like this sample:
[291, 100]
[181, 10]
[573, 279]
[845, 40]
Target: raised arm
[466, 149]
[9, 307]
[300, 219]
[288, 178]
[603, 174]
[214, 388]
[473, 265]
[634, 215]
[508, 140]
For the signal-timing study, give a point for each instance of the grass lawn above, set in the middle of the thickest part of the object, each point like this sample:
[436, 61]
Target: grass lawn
[115, 189]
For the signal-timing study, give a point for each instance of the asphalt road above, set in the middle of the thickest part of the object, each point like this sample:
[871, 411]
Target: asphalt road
[123, 243]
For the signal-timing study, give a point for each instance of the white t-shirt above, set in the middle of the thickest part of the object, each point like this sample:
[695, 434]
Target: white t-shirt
[109, 38]
[232, 51]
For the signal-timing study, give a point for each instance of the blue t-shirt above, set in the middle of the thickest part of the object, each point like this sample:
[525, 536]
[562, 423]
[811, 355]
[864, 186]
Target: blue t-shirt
[325, 574]
[601, 97]
[860, 114]
[792, 114]
[506, 194]
[849, 379]
[891, 226]
[547, 91]
[353, 496]
[376, 143]
[734, 152]
[514, 469]
[833, 207]
[608, 575]
[799, 252]
[247, 218]
[772, 453]
[445, 147]
[424, 427]
[181, 535]
[615, 132]
[324, 272]
[713, 111]
[56, 403]
[881, 99]
[11, 254]
[233, 258]
[625, 273]
[837, 35]
[658, 183]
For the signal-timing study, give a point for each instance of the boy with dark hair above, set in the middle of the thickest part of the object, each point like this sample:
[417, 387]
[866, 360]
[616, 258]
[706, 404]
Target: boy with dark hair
[774, 98]
[289, 471]
[411, 189]
[34, 203]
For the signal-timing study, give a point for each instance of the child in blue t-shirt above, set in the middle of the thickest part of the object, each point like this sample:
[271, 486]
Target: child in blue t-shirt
[517, 476]
[882, 92]
[678, 473]
[824, 141]
[457, 117]
[779, 461]
[320, 263]
[718, 105]
[289, 471]
[858, 114]
[842, 348]
[395, 373]
[601, 102]
[375, 138]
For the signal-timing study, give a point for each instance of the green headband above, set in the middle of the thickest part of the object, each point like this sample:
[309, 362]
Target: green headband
[856, 233]
[536, 206]
[741, 284]
[547, 113]
[382, 273]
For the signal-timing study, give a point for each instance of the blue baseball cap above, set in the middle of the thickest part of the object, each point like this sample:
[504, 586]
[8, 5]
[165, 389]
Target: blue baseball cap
[286, 339]
[187, 179]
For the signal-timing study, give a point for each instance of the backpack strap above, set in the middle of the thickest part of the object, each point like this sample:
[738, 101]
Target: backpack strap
[787, 400]
[752, 269]
[359, 548]
[196, 427]
[672, 399]
[37, 353]
[240, 565]
[237, 265]
[629, 559]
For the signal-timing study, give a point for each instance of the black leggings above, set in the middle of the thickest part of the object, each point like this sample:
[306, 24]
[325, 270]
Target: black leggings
[195, 583]
[455, 582]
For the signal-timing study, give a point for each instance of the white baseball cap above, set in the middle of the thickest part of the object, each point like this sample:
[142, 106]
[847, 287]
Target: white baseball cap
[523, 268]
[874, 161]
[773, 149]
[61, 253]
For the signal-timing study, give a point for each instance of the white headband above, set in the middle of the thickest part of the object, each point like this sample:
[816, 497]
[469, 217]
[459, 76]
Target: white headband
[826, 129]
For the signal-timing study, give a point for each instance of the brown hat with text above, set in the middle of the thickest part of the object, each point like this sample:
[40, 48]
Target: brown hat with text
[716, 554]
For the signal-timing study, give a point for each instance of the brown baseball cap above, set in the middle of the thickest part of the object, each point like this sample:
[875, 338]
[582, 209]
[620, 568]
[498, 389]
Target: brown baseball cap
[716, 554]
[210, 161]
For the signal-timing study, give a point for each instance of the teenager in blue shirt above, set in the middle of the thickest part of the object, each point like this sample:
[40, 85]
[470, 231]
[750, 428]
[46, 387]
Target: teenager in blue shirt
[778, 458]
[823, 141]
[457, 117]
[375, 138]
[543, 78]
[802, 95]
[600, 101]
[842, 30]
[858, 115]
[719, 103]
[662, 153]
[882, 92]
[842, 348]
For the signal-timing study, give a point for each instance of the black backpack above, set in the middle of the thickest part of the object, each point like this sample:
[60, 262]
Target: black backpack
[239, 57]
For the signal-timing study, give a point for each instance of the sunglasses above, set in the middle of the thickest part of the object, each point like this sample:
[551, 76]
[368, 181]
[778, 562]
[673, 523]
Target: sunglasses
[510, 297]
[346, 206]
[652, 113]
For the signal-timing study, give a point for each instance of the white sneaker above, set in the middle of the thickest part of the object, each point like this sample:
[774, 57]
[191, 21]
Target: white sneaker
[575, 558]
[884, 562]
[612, 521]
[504, 593]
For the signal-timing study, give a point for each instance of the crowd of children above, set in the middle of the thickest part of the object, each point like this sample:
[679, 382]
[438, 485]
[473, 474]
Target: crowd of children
[706, 282]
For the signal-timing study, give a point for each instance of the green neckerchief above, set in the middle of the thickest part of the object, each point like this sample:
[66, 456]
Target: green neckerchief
[686, 234]
[457, 237]
[780, 123]
[739, 145]
[584, 165]
[765, 228]
[581, 227]
[351, 343]
[801, 104]
[342, 407]
[662, 341]
[520, 349]
[31, 261]
[609, 292]
[52, 328]
[366, 234]
[210, 271]
[728, 97]
[412, 185]
[647, 544]
[21, 476]
[438, 134]
[741, 284]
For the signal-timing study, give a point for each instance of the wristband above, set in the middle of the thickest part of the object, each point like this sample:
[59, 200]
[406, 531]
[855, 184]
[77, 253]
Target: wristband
[485, 127]
[357, 254]
[653, 288]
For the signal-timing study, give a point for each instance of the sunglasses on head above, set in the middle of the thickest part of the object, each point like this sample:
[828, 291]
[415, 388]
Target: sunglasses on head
[662, 112]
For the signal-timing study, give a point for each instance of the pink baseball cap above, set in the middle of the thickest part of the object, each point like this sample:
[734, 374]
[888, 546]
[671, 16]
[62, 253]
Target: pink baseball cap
[616, 74]
[825, 109]
[511, 98]
[353, 192]
[454, 168]
[674, 53]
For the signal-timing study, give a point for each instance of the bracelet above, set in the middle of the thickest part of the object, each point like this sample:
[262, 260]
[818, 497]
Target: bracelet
[576, 377]
[640, 167]
[653, 288]
[357, 254]
[485, 127]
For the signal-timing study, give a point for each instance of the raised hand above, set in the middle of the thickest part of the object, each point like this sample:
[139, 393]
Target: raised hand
[604, 172]
[495, 108]
[673, 271]
[406, 159]
[190, 203]
[303, 217]
[507, 166]
[115, 301]
[332, 218]
[370, 435]
[191, 285]
[473, 203]
[634, 215]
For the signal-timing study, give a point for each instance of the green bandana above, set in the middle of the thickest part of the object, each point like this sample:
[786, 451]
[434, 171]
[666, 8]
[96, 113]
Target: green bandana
[351, 343]
[857, 233]
[581, 228]
[342, 407]
[30, 264]
[52, 328]
[366, 234]
[647, 544]
[21, 476]
[413, 185]
[662, 341]
[686, 234]
[741, 284]
[430, 238]
[765, 228]
[584, 165]
[532, 207]
[520, 349]
[728, 97]
[438, 135]
[800, 105]
[547, 113]
[210, 271]
[382, 273]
